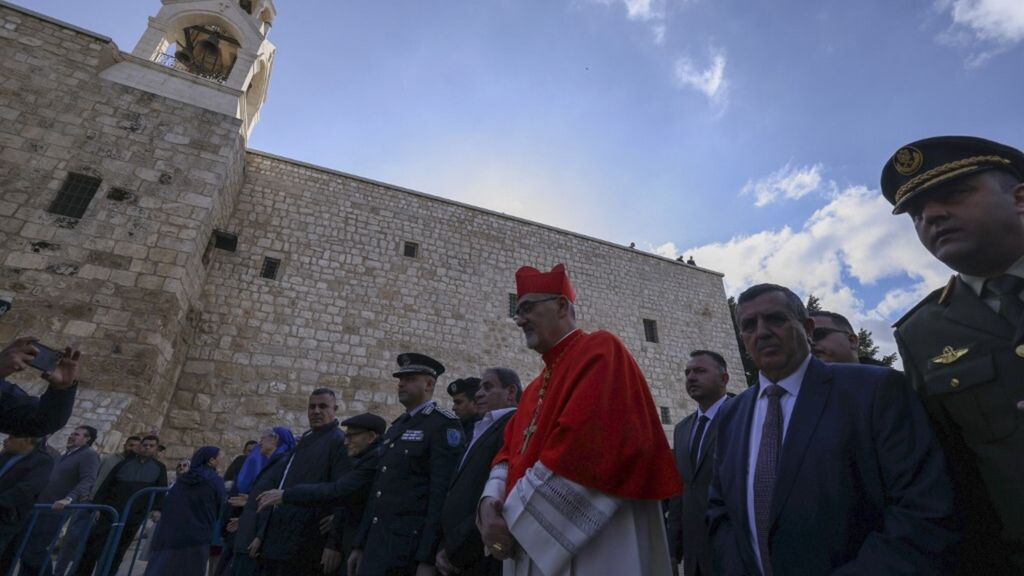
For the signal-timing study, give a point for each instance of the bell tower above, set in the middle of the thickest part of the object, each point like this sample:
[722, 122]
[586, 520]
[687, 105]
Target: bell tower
[213, 54]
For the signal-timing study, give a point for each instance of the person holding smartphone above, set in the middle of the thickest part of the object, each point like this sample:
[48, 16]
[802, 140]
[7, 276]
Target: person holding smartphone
[22, 414]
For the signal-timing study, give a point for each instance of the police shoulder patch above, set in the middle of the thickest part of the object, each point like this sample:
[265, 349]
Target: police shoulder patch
[454, 437]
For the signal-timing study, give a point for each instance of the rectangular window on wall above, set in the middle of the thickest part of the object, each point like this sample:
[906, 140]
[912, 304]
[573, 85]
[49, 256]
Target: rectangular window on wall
[74, 196]
[411, 250]
[512, 300]
[270, 268]
[666, 415]
[650, 330]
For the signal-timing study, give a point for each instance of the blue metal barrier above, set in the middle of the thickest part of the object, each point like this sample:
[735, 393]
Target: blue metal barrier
[64, 516]
[103, 566]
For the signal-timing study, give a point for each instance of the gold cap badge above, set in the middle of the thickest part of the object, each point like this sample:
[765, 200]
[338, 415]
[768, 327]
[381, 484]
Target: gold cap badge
[907, 160]
[949, 355]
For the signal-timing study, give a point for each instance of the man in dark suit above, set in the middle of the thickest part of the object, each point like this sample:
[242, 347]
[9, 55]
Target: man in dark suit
[963, 346]
[24, 468]
[401, 525]
[694, 448]
[71, 481]
[462, 550]
[823, 468]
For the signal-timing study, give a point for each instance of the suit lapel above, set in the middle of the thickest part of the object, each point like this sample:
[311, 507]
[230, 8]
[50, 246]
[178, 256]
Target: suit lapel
[741, 459]
[967, 309]
[471, 451]
[683, 454]
[709, 439]
[810, 404]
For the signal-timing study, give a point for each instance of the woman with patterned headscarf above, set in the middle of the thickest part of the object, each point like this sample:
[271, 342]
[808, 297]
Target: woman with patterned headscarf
[181, 541]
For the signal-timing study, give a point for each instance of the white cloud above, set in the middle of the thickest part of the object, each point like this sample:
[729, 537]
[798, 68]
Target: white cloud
[652, 12]
[1000, 21]
[710, 81]
[787, 183]
[853, 236]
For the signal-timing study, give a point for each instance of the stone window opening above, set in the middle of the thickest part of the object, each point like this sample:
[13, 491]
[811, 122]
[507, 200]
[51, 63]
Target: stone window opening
[666, 415]
[513, 300]
[271, 266]
[411, 250]
[246, 5]
[75, 195]
[650, 330]
[225, 240]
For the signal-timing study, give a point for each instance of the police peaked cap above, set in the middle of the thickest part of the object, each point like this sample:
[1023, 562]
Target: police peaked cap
[467, 386]
[413, 363]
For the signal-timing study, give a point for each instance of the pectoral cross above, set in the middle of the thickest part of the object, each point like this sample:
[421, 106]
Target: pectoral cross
[526, 435]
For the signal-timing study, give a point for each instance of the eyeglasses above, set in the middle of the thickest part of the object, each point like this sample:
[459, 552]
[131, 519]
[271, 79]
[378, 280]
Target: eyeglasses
[819, 334]
[526, 306]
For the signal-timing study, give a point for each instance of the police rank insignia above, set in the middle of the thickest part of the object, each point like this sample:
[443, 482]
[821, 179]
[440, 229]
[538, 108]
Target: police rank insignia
[454, 437]
[907, 160]
[949, 355]
[413, 435]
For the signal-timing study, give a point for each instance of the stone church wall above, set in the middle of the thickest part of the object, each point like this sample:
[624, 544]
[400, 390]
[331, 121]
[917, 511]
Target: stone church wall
[347, 301]
[118, 283]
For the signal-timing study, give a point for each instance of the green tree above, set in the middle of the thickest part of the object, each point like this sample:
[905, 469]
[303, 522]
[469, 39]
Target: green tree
[813, 304]
[868, 348]
[749, 368]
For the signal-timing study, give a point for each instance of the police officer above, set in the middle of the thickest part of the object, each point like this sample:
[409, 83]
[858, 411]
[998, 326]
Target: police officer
[963, 346]
[400, 528]
[463, 392]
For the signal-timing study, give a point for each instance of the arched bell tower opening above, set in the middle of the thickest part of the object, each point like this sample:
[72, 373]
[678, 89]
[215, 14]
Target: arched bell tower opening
[210, 53]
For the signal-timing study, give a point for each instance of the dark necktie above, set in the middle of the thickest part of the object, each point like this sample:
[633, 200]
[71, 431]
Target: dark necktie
[702, 424]
[1008, 288]
[766, 470]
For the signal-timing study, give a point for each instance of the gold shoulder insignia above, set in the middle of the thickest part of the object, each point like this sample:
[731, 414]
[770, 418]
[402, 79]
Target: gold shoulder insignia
[947, 293]
[949, 355]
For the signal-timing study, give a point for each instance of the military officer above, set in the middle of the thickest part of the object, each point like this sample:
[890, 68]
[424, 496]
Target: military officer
[400, 528]
[963, 346]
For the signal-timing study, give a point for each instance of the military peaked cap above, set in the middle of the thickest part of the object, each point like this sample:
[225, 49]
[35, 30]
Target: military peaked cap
[413, 363]
[920, 166]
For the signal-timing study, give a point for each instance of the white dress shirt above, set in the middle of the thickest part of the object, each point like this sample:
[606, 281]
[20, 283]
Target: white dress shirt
[787, 401]
[482, 425]
[712, 410]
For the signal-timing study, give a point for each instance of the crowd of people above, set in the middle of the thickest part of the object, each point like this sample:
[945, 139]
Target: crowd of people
[826, 465]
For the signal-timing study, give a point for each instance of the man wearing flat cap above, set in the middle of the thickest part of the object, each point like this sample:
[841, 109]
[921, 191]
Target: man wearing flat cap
[577, 485]
[963, 345]
[400, 528]
[463, 392]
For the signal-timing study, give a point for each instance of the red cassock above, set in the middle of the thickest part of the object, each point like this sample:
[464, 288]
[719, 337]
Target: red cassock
[597, 425]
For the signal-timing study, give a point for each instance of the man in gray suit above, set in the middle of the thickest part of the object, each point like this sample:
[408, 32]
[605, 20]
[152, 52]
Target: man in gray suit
[70, 483]
[694, 447]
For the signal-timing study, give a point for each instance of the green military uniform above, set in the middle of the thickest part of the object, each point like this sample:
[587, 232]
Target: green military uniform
[967, 362]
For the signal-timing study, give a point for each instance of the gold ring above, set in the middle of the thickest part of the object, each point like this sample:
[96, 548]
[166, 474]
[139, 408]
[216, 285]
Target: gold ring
[497, 547]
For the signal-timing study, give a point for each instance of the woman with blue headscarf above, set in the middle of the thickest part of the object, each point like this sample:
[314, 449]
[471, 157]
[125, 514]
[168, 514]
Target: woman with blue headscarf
[181, 541]
[253, 478]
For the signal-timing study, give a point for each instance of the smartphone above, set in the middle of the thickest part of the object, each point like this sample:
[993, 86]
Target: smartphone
[47, 358]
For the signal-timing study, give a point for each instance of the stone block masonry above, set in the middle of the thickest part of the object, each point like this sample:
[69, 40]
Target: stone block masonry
[192, 341]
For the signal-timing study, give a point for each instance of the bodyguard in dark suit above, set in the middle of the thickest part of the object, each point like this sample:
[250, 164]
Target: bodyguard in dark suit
[823, 468]
[401, 526]
[963, 347]
[694, 448]
[462, 549]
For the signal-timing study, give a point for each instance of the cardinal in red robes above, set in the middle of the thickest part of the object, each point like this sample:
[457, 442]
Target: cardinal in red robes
[576, 488]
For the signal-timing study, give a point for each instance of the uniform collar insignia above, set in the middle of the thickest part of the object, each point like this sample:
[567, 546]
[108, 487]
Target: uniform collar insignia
[949, 355]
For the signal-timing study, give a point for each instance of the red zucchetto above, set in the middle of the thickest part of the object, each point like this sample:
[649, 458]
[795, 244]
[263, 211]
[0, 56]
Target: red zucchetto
[532, 281]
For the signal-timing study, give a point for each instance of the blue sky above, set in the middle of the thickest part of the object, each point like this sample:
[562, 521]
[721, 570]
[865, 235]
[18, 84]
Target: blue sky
[749, 134]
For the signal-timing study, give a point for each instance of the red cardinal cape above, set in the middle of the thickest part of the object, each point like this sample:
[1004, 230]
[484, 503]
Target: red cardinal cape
[597, 425]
